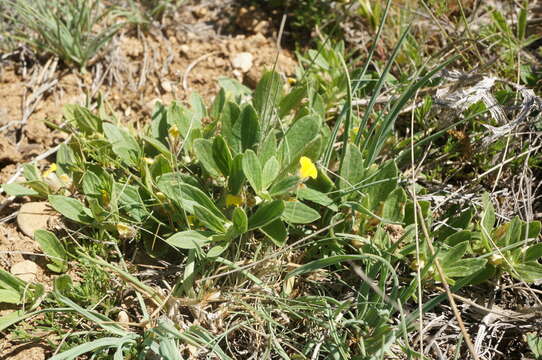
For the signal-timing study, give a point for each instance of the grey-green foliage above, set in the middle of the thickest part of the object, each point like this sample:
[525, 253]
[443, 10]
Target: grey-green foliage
[73, 30]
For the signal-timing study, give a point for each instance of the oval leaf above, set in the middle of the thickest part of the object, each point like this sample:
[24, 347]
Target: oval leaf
[187, 240]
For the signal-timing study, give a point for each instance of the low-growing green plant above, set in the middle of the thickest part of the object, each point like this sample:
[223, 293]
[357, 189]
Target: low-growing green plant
[155, 9]
[282, 200]
[203, 183]
[75, 31]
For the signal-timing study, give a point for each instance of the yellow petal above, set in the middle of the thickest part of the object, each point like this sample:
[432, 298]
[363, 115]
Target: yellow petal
[234, 200]
[125, 231]
[52, 169]
[174, 131]
[307, 169]
[191, 220]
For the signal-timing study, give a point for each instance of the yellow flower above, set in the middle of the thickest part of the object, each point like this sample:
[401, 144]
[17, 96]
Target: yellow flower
[52, 169]
[174, 131]
[496, 259]
[307, 168]
[125, 231]
[148, 161]
[66, 180]
[105, 197]
[233, 200]
[161, 196]
[191, 219]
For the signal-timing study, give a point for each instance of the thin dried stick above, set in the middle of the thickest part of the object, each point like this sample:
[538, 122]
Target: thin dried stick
[191, 66]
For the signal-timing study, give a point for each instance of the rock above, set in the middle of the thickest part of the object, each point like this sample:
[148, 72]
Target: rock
[184, 50]
[242, 61]
[166, 85]
[25, 270]
[123, 318]
[8, 152]
[34, 216]
[27, 352]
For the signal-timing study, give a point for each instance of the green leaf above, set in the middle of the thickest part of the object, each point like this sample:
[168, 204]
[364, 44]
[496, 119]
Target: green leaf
[253, 170]
[316, 197]
[459, 237]
[160, 166]
[270, 171]
[66, 160]
[31, 172]
[10, 297]
[71, 208]
[454, 265]
[63, 284]
[199, 110]
[183, 118]
[394, 206]
[233, 88]
[409, 211]
[203, 149]
[292, 100]
[240, 220]
[529, 271]
[501, 23]
[284, 185]
[464, 267]
[187, 240]
[123, 144]
[237, 176]
[158, 146]
[322, 182]
[18, 190]
[40, 186]
[533, 252]
[53, 248]
[454, 254]
[11, 288]
[222, 155]
[384, 182]
[535, 344]
[299, 135]
[168, 349]
[94, 346]
[208, 219]
[185, 195]
[352, 167]
[458, 222]
[231, 127]
[99, 214]
[530, 230]
[276, 231]
[92, 184]
[83, 119]
[295, 212]
[11, 318]
[159, 124]
[265, 214]
[250, 127]
[218, 105]
[513, 233]
[268, 92]
[321, 263]
[268, 148]
[130, 202]
[216, 250]
[488, 215]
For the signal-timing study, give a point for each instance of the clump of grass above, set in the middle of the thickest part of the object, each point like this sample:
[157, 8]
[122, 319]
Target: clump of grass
[75, 31]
